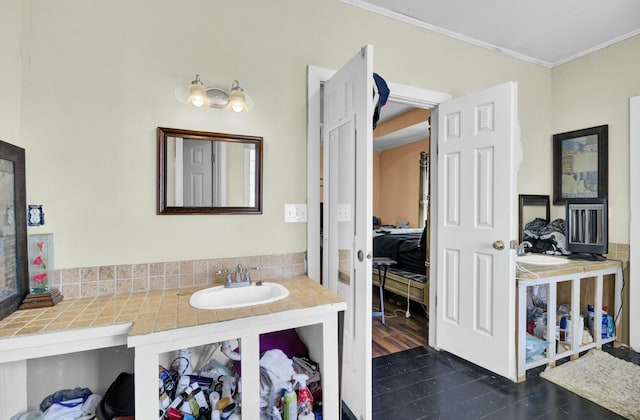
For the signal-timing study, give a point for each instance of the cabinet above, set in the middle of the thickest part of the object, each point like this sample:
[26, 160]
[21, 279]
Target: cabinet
[574, 277]
[17, 352]
[312, 310]
[317, 327]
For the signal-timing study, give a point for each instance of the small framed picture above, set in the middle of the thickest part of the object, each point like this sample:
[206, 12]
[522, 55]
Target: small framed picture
[580, 164]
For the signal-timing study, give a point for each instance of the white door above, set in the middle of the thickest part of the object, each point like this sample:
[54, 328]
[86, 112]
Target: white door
[476, 221]
[347, 139]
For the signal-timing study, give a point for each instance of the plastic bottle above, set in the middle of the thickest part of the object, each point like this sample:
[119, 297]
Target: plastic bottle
[167, 380]
[214, 397]
[177, 401]
[198, 394]
[290, 405]
[190, 401]
[305, 399]
[164, 401]
[183, 383]
[612, 327]
[605, 323]
[228, 386]
[540, 328]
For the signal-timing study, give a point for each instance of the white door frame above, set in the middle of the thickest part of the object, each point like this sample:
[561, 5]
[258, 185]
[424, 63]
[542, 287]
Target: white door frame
[634, 223]
[410, 95]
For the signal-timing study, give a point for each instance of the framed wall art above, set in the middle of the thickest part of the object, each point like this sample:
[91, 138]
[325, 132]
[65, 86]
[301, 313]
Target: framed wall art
[580, 164]
[14, 280]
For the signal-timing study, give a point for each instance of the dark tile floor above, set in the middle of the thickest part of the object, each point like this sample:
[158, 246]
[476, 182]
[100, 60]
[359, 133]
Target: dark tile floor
[422, 383]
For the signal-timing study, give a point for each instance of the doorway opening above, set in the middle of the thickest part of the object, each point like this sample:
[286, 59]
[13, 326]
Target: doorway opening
[400, 180]
[405, 98]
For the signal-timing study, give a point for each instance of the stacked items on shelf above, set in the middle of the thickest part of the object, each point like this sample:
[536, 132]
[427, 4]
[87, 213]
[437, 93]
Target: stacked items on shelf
[536, 342]
[289, 382]
[290, 386]
[211, 394]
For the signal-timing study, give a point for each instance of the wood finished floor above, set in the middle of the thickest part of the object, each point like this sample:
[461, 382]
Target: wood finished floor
[399, 333]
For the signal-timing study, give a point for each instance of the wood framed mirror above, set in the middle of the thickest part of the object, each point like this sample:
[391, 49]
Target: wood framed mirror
[203, 172]
[14, 278]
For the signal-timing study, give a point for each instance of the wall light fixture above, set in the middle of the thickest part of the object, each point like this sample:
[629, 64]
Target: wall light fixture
[201, 96]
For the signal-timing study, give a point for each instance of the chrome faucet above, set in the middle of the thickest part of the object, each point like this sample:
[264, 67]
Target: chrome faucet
[227, 282]
[522, 248]
[239, 278]
[242, 277]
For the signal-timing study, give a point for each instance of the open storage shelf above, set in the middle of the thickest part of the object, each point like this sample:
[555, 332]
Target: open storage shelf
[574, 289]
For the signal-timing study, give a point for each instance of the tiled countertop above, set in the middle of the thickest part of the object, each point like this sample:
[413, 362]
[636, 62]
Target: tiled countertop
[154, 311]
[572, 267]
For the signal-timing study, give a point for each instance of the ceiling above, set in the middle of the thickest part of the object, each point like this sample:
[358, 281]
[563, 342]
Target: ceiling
[403, 133]
[545, 32]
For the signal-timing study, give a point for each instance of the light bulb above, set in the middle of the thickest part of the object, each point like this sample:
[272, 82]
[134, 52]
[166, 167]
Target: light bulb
[195, 101]
[237, 100]
[197, 92]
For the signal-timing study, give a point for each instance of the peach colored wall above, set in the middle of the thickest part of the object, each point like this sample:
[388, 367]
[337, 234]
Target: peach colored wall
[397, 181]
[376, 185]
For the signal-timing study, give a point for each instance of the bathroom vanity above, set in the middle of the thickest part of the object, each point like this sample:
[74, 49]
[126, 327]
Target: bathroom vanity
[576, 284]
[156, 324]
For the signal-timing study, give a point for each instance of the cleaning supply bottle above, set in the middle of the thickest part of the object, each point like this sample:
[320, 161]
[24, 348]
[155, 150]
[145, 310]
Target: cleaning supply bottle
[228, 386]
[590, 318]
[605, 322]
[611, 326]
[305, 399]
[290, 405]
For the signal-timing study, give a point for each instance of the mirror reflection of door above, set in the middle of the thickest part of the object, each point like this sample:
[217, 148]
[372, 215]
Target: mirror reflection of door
[210, 173]
[197, 173]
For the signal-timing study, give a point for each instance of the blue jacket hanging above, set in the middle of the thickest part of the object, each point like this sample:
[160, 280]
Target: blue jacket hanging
[383, 92]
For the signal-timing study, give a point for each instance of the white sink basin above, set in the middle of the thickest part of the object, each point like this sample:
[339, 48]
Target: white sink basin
[537, 259]
[221, 297]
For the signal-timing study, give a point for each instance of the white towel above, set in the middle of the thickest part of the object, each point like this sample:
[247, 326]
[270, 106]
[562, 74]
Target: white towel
[275, 370]
[278, 366]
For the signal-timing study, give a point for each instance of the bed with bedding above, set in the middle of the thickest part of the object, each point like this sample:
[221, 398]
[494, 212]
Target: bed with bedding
[407, 247]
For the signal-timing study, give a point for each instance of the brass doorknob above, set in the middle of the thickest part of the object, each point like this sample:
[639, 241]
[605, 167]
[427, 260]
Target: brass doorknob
[498, 245]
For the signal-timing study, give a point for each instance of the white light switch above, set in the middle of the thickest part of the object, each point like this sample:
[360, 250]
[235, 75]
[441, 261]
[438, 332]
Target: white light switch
[344, 212]
[295, 213]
